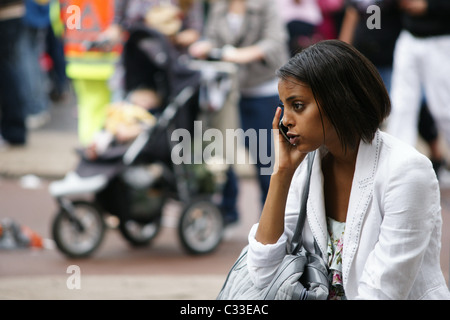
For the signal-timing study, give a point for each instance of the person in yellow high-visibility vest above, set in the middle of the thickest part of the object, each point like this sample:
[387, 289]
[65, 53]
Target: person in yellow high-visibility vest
[89, 68]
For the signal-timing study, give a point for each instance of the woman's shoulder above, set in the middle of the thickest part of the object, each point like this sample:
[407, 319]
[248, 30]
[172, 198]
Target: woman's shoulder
[400, 150]
[405, 179]
[398, 156]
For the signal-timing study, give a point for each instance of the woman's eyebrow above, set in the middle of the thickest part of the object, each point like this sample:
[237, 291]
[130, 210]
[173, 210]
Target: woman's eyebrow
[295, 97]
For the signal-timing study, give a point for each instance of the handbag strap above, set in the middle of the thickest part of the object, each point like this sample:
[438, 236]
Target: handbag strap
[296, 242]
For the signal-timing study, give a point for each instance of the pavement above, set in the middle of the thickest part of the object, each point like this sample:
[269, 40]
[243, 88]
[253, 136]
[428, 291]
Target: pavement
[49, 151]
[112, 287]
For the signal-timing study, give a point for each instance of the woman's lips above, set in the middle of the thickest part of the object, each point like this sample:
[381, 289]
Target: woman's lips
[293, 138]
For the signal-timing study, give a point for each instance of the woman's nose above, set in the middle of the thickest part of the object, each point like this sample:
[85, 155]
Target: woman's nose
[287, 120]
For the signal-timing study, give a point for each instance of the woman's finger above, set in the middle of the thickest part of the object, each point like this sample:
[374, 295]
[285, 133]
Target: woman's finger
[276, 119]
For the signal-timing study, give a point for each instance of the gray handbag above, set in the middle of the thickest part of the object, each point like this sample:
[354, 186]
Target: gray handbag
[302, 275]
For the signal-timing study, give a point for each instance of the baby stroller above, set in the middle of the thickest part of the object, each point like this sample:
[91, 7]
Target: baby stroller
[134, 181]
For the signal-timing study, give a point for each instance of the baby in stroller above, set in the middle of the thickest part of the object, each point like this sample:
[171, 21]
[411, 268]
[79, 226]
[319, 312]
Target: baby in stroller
[124, 122]
[130, 173]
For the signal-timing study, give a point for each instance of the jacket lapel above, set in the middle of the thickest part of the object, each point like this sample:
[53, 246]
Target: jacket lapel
[360, 198]
[316, 204]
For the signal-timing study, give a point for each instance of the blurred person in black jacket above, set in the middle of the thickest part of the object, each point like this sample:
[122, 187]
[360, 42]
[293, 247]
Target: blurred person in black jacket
[376, 44]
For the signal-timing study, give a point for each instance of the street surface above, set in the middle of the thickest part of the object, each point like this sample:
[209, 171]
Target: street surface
[164, 257]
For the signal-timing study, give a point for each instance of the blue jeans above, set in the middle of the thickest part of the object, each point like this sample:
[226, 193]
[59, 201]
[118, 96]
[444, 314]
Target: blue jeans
[32, 46]
[55, 49]
[257, 114]
[12, 93]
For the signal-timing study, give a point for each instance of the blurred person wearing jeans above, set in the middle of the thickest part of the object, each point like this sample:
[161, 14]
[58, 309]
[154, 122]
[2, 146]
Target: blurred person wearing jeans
[37, 22]
[12, 92]
[251, 34]
[421, 65]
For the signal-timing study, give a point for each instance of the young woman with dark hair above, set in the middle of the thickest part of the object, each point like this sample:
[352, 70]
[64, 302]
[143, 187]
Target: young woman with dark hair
[373, 209]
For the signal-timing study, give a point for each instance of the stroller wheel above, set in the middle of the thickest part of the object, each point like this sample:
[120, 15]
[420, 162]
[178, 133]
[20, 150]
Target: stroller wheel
[139, 233]
[201, 227]
[79, 233]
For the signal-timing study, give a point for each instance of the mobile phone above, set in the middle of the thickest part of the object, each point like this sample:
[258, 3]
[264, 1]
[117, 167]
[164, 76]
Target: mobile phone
[284, 130]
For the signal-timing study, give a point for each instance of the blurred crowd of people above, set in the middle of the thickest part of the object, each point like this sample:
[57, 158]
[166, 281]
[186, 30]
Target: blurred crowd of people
[410, 49]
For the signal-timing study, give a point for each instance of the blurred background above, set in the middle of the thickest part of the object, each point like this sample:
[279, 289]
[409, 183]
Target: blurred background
[70, 69]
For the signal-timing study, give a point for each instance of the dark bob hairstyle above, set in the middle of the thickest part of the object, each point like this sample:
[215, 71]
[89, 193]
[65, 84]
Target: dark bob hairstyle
[346, 86]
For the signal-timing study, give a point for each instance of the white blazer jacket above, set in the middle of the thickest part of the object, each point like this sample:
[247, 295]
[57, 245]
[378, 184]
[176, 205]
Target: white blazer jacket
[392, 237]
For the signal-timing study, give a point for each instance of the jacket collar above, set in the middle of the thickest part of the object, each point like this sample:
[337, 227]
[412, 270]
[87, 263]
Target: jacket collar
[361, 195]
[360, 198]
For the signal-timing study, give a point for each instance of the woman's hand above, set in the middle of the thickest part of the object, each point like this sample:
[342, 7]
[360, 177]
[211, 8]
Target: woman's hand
[287, 157]
[242, 55]
[200, 49]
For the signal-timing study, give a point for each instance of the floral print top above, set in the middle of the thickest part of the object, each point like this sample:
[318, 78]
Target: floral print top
[335, 244]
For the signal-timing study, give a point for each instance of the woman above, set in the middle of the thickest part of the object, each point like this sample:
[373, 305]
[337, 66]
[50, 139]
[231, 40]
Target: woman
[374, 202]
[251, 34]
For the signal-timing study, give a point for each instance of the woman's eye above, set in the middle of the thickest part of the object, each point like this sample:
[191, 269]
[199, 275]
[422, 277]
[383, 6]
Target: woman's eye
[298, 105]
